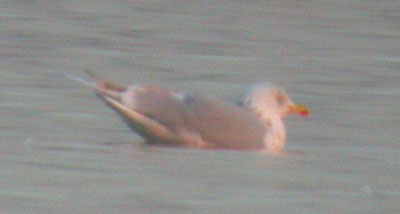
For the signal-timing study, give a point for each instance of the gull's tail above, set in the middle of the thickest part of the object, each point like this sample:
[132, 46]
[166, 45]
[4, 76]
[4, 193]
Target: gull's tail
[105, 87]
[147, 127]
[103, 83]
[80, 80]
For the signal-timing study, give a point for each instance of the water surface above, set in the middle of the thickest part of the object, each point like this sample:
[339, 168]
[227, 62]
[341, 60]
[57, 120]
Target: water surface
[63, 151]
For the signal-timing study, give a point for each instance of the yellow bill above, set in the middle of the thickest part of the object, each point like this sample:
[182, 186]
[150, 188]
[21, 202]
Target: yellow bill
[299, 109]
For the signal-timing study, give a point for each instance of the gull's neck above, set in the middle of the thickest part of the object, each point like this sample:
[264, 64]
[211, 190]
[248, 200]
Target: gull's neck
[276, 136]
[272, 119]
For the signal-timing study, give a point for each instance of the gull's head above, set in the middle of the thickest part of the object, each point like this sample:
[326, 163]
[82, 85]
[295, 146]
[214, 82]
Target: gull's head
[270, 101]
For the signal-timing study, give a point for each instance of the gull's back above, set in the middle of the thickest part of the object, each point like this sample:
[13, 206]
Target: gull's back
[223, 124]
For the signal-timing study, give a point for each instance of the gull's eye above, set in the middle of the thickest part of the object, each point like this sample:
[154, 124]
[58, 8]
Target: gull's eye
[280, 99]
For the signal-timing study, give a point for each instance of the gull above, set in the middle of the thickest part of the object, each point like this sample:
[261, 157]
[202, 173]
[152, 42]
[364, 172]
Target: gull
[163, 116]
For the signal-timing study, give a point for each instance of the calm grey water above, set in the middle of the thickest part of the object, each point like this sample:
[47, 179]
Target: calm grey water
[63, 151]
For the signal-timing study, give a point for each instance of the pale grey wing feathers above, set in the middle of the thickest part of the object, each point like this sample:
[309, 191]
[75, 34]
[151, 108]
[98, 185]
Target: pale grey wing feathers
[146, 126]
[159, 104]
[223, 124]
[150, 129]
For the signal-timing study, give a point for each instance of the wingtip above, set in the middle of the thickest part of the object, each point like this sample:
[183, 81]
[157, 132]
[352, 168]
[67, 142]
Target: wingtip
[103, 83]
[152, 128]
[92, 75]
